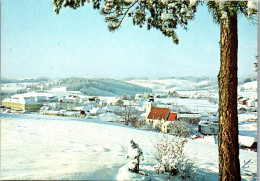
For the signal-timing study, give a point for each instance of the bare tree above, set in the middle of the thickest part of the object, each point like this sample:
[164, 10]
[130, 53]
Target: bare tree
[180, 129]
[129, 114]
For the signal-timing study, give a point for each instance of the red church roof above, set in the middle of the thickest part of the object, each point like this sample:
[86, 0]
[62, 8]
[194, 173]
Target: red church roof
[172, 116]
[159, 113]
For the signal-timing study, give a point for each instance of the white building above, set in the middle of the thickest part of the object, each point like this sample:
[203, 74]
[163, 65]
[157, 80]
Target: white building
[97, 111]
[206, 128]
[190, 117]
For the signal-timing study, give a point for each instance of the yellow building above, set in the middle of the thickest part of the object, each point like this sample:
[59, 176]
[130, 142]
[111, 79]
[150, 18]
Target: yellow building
[145, 95]
[21, 105]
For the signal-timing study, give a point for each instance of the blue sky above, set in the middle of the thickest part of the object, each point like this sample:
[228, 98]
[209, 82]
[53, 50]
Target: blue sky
[35, 42]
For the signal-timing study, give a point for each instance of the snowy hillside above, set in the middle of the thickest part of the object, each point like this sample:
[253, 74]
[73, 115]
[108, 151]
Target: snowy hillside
[46, 147]
[177, 84]
[103, 87]
[248, 86]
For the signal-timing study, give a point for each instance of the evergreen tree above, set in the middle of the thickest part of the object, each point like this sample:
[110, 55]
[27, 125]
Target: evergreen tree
[166, 16]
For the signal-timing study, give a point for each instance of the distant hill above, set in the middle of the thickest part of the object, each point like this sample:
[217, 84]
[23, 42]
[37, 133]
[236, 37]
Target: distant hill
[134, 78]
[248, 83]
[7, 81]
[103, 87]
[167, 84]
[246, 79]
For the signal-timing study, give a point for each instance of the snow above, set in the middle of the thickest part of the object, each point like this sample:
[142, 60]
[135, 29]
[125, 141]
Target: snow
[248, 129]
[49, 147]
[166, 85]
[166, 16]
[161, 85]
[20, 100]
[192, 115]
[193, 2]
[13, 87]
[252, 5]
[249, 86]
[195, 105]
[110, 117]
[246, 140]
[61, 92]
[125, 174]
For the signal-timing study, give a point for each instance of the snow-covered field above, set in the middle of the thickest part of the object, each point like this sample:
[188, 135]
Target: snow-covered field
[252, 86]
[195, 105]
[46, 147]
[164, 85]
[13, 87]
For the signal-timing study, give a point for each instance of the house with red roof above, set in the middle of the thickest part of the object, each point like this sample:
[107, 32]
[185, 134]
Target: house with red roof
[157, 116]
[171, 118]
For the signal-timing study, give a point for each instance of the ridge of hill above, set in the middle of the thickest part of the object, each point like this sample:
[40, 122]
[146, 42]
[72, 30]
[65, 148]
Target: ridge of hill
[103, 87]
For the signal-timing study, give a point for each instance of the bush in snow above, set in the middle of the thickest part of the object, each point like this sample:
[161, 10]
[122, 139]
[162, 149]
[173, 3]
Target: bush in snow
[131, 170]
[180, 129]
[172, 160]
[138, 123]
[135, 153]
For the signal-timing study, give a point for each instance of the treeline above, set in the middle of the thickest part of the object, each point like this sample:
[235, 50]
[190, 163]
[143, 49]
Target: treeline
[103, 87]
[8, 81]
[191, 78]
[248, 79]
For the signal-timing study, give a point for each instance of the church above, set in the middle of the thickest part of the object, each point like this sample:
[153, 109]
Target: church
[158, 117]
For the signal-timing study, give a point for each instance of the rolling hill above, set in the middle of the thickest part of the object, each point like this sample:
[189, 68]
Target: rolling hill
[103, 87]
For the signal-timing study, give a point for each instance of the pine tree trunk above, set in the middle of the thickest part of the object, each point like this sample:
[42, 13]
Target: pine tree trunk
[229, 166]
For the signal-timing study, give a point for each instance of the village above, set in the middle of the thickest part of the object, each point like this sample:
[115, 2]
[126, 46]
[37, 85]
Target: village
[150, 111]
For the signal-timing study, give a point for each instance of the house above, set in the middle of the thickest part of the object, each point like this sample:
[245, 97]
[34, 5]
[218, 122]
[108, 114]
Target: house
[21, 104]
[243, 101]
[119, 103]
[75, 98]
[208, 128]
[93, 100]
[102, 103]
[247, 142]
[145, 95]
[171, 118]
[157, 116]
[41, 98]
[83, 99]
[53, 99]
[190, 117]
[66, 100]
[82, 108]
[97, 111]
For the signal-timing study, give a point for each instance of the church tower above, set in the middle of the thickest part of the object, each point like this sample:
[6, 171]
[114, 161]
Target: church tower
[150, 104]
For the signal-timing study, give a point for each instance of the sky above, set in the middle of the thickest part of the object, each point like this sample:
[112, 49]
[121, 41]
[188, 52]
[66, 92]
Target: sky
[36, 42]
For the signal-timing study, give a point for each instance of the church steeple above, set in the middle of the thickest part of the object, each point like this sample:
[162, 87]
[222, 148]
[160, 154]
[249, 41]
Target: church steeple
[150, 104]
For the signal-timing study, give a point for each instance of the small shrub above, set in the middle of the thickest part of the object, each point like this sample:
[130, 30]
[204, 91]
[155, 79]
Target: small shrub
[137, 123]
[180, 129]
[172, 160]
[135, 153]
